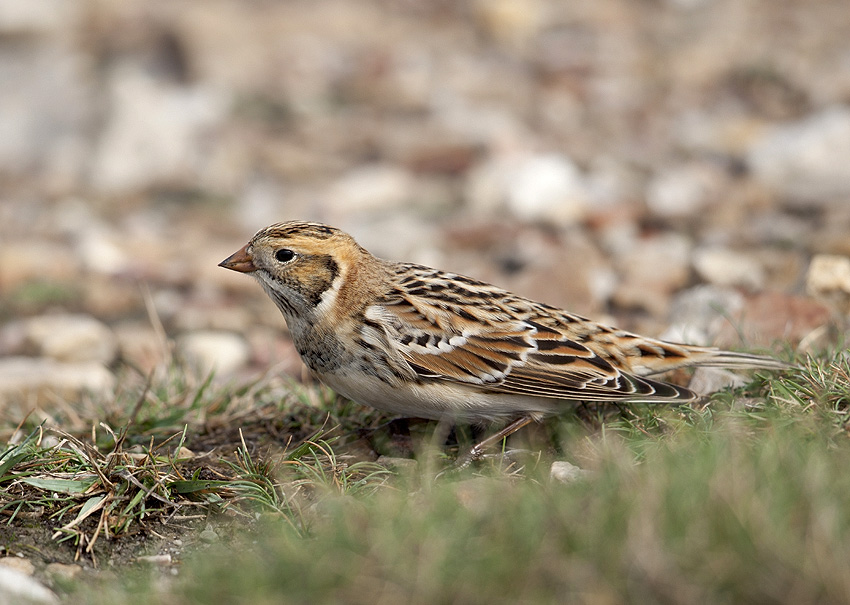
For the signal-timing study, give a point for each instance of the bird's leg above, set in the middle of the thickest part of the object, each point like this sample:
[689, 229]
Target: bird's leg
[479, 448]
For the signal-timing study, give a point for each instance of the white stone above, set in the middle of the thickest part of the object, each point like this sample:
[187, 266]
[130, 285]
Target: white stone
[155, 132]
[548, 188]
[828, 278]
[564, 472]
[698, 314]
[17, 588]
[63, 337]
[222, 352]
[681, 191]
[543, 187]
[370, 188]
[806, 160]
[710, 380]
[20, 376]
[36, 16]
[725, 267]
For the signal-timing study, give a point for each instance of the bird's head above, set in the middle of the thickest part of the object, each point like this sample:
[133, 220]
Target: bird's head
[301, 265]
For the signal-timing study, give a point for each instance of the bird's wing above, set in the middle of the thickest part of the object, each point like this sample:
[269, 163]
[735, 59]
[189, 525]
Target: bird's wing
[486, 337]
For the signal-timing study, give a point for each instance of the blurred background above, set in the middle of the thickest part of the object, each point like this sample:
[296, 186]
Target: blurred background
[672, 166]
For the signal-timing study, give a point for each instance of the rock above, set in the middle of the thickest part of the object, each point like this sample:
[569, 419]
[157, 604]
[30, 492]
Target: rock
[18, 588]
[209, 535]
[545, 188]
[20, 564]
[564, 472]
[154, 132]
[683, 190]
[222, 352]
[165, 559]
[61, 571]
[710, 380]
[28, 262]
[652, 269]
[828, 278]
[35, 16]
[378, 187]
[22, 378]
[139, 344]
[767, 318]
[548, 188]
[724, 317]
[725, 267]
[73, 338]
[806, 161]
[697, 315]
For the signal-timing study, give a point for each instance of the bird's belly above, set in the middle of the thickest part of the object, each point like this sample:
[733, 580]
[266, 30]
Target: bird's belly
[437, 400]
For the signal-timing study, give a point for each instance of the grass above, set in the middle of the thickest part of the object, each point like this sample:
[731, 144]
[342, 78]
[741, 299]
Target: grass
[742, 500]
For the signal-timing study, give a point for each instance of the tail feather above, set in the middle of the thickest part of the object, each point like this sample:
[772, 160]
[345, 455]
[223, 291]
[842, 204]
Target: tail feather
[695, 356]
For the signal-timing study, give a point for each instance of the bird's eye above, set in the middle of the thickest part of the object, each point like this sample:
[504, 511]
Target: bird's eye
[284, 255]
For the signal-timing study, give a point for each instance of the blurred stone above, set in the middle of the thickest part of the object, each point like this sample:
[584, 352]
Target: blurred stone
[47, 97]
[828, 278]
[24, 262]
[698, 314]
[652, 268]
[768, 318]
[61, 337]
[512, 22]
[543, 188]
[725, 267]
[101, 252]
[564, 472]
[683, 190]
[20, 564]
[62, 571]
[806, 161]
[710, 380]
[547, 188]
[139, 344]
[18, 588]
[370, 188]
[35, 16]
[270, 348]
[32, 378]
[154, 133]
[222, 352]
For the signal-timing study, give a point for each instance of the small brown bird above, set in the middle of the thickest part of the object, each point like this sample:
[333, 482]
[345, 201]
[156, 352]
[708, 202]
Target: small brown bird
[421, 342]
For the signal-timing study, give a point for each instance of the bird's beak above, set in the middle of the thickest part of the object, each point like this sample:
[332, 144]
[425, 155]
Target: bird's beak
[241, 261]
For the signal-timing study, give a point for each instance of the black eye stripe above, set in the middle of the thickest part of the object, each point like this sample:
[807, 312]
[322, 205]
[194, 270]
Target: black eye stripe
[284, 255]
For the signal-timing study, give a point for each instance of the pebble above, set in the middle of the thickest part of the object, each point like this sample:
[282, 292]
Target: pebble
[24, 377]
[19, 588]
[533, 187]
[806, 161]
[683, 190]
[222, 352]
[705, 381]
[63, 337]
[565, 472]
[726, 267]
[62, 571]
[153, 134]
[828, 279]
[652, 269]
[374, 187]
[698, 314]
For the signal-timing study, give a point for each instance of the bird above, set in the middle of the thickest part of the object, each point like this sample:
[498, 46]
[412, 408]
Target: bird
[420, 342]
